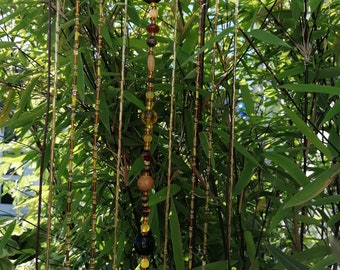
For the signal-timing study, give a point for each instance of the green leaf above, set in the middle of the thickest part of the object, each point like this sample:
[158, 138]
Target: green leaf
[333, 111]
[287, 261]
[315, 187]
[289, 166]
[307, 131]
[244, 178]
[250, 244]
[314, 88]
[131, 97]
[214, 266]
[267, 37]
[7, 234]
[6, 44]
[176, 237]
[160, 196]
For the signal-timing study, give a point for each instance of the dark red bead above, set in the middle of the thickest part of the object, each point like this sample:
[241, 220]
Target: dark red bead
[144, 244]
[146, 155]
[152, 1]
[152, 28]
[146, 211]
[151, 41]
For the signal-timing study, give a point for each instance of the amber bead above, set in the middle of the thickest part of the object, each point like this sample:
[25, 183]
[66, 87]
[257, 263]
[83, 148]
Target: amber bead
[145, 183]
[153, 12]
[151, 41]
[144, 263]
[144, 244]
[149, 117]
[152, 28]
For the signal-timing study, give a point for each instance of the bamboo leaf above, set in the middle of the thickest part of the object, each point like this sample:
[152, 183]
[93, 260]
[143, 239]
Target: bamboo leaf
[160, 196]
[308, 132]
[314, 88]
[176, 237]
[267, 37]
[251, 248]
[314, 188]
[131, 97]
[7, 234]
[214, 266]
[287, 261]
[289, 166]
[244, 178]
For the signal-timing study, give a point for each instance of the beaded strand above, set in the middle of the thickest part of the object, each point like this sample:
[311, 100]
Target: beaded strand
[144, 243]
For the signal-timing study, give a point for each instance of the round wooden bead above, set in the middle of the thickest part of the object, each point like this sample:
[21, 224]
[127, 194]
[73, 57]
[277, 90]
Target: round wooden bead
[153, 13]
[145, 183]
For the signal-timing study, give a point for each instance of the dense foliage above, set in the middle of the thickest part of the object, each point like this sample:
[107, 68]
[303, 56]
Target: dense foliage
[286, 191]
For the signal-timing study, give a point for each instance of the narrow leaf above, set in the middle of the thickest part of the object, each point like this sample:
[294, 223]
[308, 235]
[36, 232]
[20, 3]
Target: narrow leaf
[267, 37]
[287, 261]
[160, 196]
[7, 234]
[314, 88]
[131, 97]
[307, 131]
[176, 237]
[315, 187]
[289, 166]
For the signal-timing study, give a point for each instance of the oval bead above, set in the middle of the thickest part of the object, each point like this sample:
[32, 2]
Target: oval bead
[153, 13]
[151, 62]
[152, 28]
[149, 95]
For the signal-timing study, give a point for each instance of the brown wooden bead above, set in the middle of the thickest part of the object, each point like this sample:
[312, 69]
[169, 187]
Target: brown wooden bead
[152, 1]
[145, 183]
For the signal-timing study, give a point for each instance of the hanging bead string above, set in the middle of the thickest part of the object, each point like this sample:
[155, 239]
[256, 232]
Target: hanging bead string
[73, 110]
[54, 109]
[210, 140]
[120, 128]
[172, 101]
[144, 242]
[95, 137]
[230, 175]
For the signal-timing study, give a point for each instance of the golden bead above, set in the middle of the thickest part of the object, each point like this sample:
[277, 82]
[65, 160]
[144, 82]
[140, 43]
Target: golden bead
[147, 138]
[145, 183]
[149, 95]
[144, 228]
[149, 117]
[144, 263]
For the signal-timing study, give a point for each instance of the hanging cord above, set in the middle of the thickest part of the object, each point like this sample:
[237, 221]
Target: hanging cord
[197, 112]
[230, 176]
[172, 100]
[120, 127]
[95, 138]
[210, 141]
[43, 147]
[73, 111]
[54, 99]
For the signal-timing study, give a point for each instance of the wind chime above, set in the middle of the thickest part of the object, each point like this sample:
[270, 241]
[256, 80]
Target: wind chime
[144, 242]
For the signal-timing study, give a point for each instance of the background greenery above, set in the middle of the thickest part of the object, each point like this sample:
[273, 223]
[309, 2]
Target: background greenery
[286, 195]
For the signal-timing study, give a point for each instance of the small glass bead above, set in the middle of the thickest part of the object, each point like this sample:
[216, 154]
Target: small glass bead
[145, 199]
[149, 95]
[151, 41]
[149, 117]
[153, 13]
[145, 183]
[146, 155]
[144, 228]
[146, 211]
[152, 1]
[147, 138]
[144, 263]
[152, 28]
